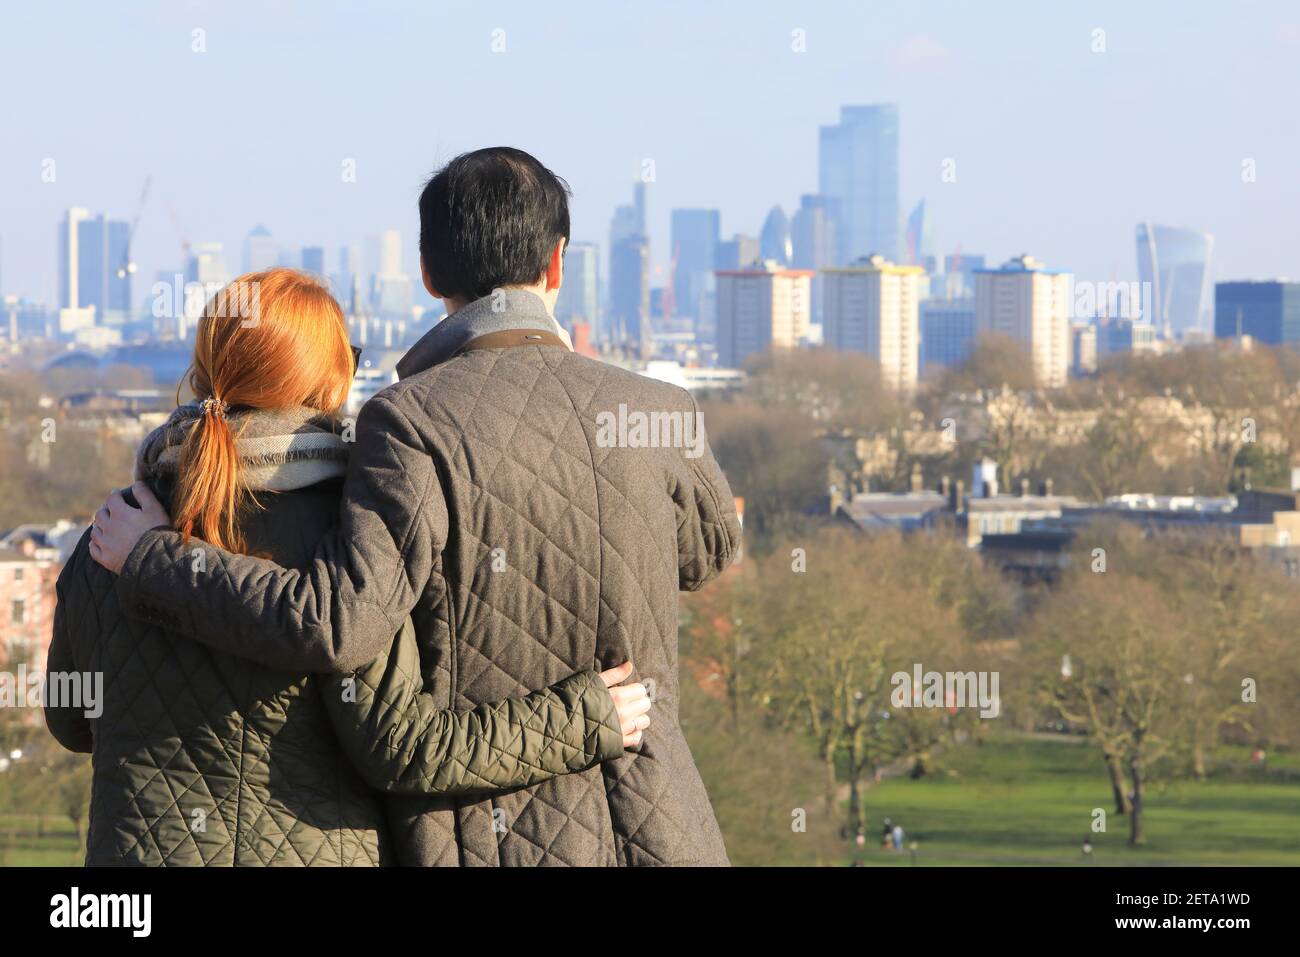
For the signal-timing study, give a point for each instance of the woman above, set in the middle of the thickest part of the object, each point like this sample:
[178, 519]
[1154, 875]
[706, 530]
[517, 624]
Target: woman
[203, 758]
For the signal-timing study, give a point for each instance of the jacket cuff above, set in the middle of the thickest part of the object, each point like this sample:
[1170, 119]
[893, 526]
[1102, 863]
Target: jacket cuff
[604, 735]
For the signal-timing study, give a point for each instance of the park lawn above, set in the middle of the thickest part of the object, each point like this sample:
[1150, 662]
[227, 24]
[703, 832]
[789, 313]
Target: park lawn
[1029, 801]
[24, 844]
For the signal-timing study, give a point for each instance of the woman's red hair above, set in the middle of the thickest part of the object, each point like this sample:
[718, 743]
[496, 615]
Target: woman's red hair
[274, 339]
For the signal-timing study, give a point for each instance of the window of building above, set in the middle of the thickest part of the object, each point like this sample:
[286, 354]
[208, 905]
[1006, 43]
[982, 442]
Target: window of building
[18, 612]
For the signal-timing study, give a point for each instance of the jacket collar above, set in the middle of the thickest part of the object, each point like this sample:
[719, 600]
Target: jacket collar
[503, 310]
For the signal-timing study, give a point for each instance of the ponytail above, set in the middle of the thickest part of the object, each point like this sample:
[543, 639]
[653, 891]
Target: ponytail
[292, 350]
[209, 489]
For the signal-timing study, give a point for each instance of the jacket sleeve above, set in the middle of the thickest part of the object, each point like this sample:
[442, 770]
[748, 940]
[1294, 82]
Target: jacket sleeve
[708, 530]
[342, 609]
[66, 720]
[402, 743]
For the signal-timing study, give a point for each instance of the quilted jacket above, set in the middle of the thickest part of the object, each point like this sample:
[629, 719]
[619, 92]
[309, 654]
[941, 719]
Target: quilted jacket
[204, 758]
[511, 500]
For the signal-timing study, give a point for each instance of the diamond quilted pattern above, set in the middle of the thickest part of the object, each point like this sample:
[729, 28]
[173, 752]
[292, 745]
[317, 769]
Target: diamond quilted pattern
[479, 502]
[593, 570]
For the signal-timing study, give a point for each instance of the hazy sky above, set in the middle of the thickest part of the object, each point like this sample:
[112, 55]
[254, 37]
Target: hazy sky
[1059, 150]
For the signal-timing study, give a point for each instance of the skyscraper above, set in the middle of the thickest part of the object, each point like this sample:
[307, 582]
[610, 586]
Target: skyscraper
[94, 254]
[1030, 304]
[629, 274]
[579, 298]
[629, 293]
[761, 307]
[260, 250]
[959, 274]
[313, 260]
[695, 237]
[207, 266]
[947, 332]
[916, 235]
[858, 166]
[1176, 264]
[629, 220]
[774, 239]
[872, 308]
[70, 257]
[391, 289]
[813, 243]
[1266, 310]
[737, 253]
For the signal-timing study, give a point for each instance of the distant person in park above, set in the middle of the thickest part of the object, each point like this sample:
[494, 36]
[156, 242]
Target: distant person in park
[202, 755]
[887, 834]
[489, 498]
[898, 837]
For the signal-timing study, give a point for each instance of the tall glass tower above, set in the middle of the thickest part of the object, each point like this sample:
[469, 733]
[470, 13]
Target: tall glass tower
[1176, 263]
[695, 237]
[858, 167]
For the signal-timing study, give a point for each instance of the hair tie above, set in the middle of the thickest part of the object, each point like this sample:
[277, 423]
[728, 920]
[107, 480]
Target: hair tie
[214, 407]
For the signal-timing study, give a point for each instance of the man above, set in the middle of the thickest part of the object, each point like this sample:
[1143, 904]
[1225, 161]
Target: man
[533, 510]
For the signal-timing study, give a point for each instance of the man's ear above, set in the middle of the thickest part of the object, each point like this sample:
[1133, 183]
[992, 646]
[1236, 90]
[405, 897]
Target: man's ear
[555, 267]
[428, 284]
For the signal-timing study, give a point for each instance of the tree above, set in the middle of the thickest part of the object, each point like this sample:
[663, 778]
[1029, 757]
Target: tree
[1118, 639]
[827, 640]
[995, 362]
[772, 458]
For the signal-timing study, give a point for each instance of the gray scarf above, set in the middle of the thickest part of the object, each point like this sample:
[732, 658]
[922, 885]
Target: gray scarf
[279, 449]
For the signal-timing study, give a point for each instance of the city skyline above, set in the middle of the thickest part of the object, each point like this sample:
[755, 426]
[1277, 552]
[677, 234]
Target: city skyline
[1057, 187]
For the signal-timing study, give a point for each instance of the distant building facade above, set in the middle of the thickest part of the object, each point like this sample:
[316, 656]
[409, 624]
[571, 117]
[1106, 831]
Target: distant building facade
[947, 332]
[629, 292]
[759, 308]
[695, 237]
[1176, 264]
[1030, 304]
[579, 297]
[1267, 311]
[872, 307]
[858, 167]
[94, 256]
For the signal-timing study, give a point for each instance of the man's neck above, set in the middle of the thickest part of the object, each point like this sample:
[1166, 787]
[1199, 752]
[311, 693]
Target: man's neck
[455, 304]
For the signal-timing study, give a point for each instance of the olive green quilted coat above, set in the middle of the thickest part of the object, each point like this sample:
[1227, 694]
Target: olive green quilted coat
[202, 758]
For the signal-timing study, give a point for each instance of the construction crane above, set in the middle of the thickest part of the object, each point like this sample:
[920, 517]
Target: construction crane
[128, 266]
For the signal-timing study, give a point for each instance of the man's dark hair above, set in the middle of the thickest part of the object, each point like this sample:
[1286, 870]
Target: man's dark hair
[490, 218]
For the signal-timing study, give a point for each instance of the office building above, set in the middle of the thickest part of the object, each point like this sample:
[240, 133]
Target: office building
[629, 293]
[261, 251]
[1174, 266]
[774, 239]
[695, 237]
[1030, 304]
[872, 307]
[761, 307]
[858, 167]
[813, 243]
[94, 266]
[1266, 310]
[313, 260]
[947, 332]
[579, 298]
[738, 252]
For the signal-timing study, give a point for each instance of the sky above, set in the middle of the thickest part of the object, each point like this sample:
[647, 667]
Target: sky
[1065, 123]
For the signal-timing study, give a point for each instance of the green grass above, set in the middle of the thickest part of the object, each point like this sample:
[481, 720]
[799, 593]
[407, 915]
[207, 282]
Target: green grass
[1010, 801]
[26, 841]
[1029, 801]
